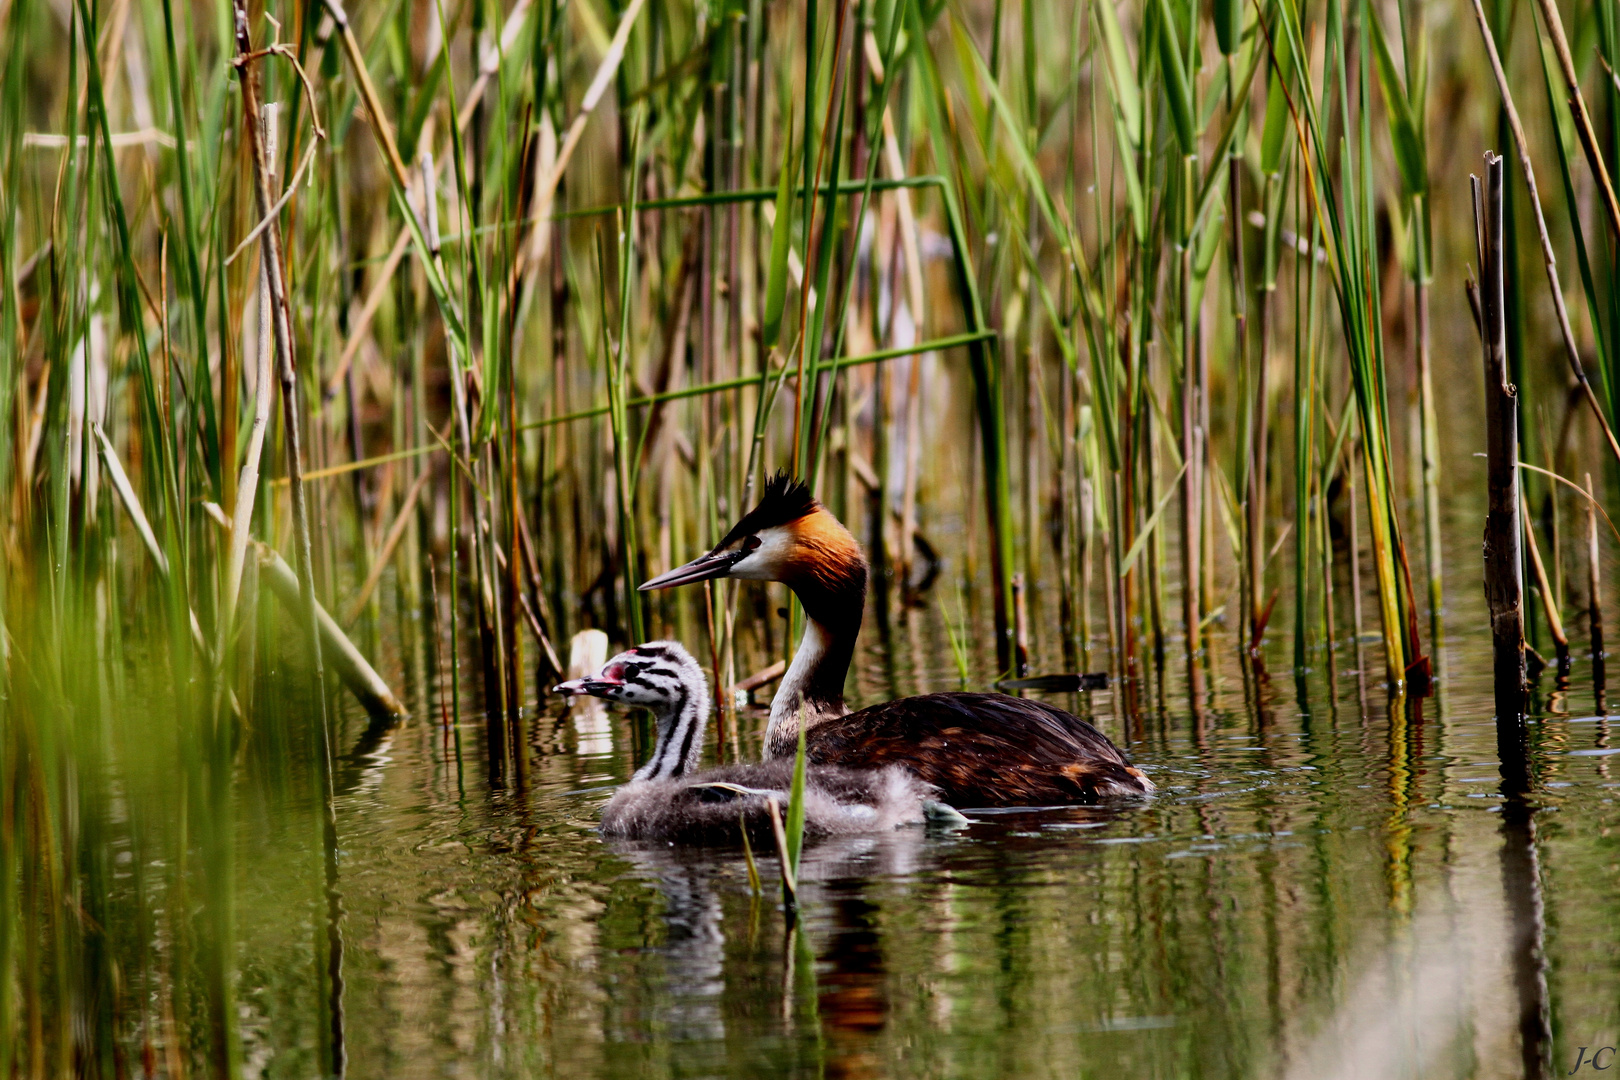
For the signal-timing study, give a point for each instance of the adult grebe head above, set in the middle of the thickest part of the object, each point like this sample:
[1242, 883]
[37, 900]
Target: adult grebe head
[788, 537]
[791, 538]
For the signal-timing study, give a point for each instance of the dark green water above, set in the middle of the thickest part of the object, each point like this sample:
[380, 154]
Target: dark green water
[1320, 888]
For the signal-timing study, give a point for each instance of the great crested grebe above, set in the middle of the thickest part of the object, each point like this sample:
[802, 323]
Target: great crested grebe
[978, 749]
[667, 800]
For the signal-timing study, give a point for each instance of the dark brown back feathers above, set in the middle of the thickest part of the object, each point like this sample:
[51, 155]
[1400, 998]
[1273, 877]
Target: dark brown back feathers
[982, 749]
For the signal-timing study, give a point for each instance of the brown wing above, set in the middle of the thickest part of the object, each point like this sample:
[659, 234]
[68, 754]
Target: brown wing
[982, 749]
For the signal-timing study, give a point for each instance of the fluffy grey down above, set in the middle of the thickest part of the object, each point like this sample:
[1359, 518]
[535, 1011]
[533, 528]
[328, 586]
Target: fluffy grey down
[838, 802]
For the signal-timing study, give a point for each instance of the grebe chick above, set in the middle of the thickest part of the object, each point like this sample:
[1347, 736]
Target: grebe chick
[978, 749]
[667, 799]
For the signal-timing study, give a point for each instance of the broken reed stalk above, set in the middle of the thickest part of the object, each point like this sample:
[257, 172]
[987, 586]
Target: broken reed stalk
[1504, 583]
[270, 263]
[348, 662]
[1571, 350]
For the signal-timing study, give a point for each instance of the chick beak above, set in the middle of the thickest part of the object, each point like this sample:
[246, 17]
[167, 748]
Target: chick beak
[592, 686]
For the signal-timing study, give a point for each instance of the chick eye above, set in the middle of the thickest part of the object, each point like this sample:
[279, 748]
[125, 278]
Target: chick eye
[751, 545]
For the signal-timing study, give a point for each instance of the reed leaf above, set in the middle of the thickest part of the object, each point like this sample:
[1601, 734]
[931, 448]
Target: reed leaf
[1122, 77]
[1134, 552]
[1177, 87]
[1274, 133]
[794, 826]
[1598, 311]
[1405, 136]
[781, 245]
[1227, 15]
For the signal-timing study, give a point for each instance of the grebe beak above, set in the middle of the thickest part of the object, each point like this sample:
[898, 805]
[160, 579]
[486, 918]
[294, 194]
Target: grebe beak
[716, 564]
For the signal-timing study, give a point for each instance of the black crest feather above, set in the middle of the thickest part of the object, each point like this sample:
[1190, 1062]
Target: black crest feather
[785, 499]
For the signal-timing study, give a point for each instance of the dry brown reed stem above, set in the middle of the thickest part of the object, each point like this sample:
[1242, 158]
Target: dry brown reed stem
[763, 677]
[1192, 483]
[1504, 582]
[491, 65]
[270, 263]
[1020, 628]
[1549, 260]
[1355, 548]
[1577, 109]
[163, 319]
[790, 886]
[368, 310]
[1255, 497]
[915, 299]
[248, 483]
[1254, 494]
[532, 568]
[1549, 599]
[286, 196]
[380, 127]
[514, 579]
[605, 72]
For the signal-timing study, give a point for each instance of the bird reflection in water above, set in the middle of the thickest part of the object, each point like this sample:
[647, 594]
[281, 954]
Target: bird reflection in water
[733, 970]
[852, 985]
[695, 885]
[693, 950]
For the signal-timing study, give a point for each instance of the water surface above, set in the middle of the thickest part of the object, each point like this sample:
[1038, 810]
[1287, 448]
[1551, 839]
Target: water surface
[1322, 886]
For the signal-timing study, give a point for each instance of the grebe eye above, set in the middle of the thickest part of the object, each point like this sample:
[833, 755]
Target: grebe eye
[751, 545]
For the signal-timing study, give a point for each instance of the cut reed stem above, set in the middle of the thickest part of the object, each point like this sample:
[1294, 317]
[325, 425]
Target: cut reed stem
[1504, 585]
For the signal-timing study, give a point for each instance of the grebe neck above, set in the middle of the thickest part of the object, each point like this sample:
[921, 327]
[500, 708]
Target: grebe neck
[680, 733]
[812, 690]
